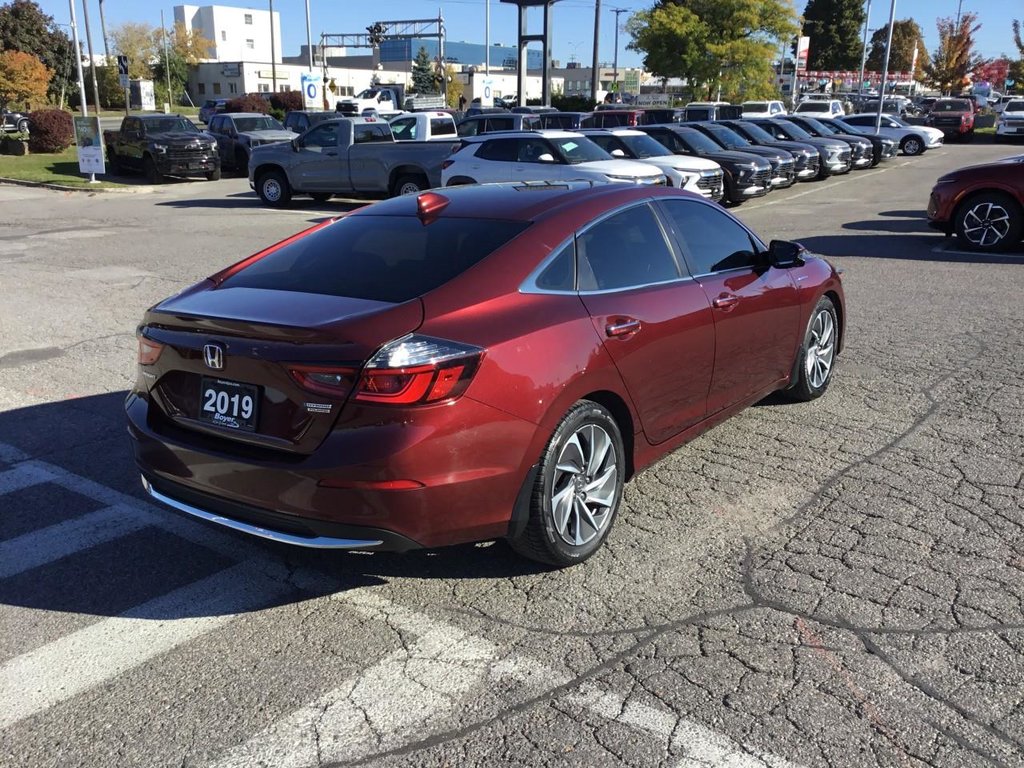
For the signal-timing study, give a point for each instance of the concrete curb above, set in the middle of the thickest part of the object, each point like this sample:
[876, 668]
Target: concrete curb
[68, 188]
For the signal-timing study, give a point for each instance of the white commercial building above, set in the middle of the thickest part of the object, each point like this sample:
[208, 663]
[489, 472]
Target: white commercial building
[238, 34]
[227, 79]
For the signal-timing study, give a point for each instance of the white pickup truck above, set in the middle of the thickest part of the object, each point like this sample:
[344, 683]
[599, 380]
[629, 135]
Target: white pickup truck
[379, 99]
[423, 126]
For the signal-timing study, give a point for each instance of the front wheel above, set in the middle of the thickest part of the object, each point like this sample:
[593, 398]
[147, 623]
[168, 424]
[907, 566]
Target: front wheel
[213, 175]
[989, 221]
[912, 145]
[818, 352]
[273, 189]
[578, 489]
[153, 175]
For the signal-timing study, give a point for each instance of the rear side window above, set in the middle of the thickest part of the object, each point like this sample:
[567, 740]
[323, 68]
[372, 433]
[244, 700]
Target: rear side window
[500, 150]
[379, 258]
[442, 127]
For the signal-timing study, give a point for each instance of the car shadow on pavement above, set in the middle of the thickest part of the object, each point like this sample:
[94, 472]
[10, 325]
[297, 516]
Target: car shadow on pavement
[250, 200]
[908, 241]
[79, 536]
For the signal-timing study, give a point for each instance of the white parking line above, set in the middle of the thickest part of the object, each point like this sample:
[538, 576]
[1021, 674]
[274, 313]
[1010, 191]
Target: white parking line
[54, 542]
[9, 454]
[22, 476]
[90, 657]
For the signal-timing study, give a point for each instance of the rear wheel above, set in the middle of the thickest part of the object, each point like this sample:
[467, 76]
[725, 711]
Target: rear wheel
[23, 125]
[273, 189]
[912, 145]
[460, 181]
[818, 353]
[153, 175]
[409, 185]
[989, 221]
[578, 489]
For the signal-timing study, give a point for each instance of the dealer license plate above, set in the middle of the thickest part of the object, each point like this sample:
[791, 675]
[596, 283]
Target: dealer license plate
[229, 404]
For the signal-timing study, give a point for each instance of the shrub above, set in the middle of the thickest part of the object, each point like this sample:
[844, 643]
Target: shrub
[52, 130]
[248, 103]
[286, 101]
[277, 114]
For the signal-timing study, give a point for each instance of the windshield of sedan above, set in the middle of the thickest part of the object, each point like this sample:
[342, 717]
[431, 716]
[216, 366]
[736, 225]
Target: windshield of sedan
[378, 258]
[756, 132]
[794, 131]
[257, 124]
[820, 126]
[579, 150]
[953, 105]
[728, 137]
[698, 142]
[1014, 106]
[171, 125]
[644, 146]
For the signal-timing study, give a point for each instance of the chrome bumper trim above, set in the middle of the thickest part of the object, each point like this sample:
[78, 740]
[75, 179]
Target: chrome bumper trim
[318, 542]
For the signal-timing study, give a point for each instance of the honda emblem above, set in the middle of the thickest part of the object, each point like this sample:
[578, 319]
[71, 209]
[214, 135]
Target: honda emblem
[213, 356]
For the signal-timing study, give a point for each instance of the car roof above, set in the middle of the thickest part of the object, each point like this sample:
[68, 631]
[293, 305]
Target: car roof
[616, 130]
[243, 114]
[520, 201]
[547, 133]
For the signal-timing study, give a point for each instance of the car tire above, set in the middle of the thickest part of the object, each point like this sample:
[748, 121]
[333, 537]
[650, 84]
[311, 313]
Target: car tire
[912, 145]
[153, 175]
[321, 197]
[213, 175]
[578, 489]
[273, 189]
[241, 162]
[990, 222]
[113, 165]
[409, 185]
[23, 125]
[816, 360]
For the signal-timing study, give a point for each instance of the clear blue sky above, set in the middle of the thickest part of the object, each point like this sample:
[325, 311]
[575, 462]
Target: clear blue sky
[573, 20]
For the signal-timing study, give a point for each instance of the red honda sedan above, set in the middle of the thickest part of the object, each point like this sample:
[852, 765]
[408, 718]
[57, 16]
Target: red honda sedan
[491, 361]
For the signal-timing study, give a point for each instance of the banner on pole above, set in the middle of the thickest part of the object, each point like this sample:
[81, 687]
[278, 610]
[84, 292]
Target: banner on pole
[312, 90]
[89, 140]
[803, 51]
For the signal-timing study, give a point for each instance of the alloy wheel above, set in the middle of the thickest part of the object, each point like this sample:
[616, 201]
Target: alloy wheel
[820, 349]
[986, 224]
[911, 147]
[272, 190]
[584, 485]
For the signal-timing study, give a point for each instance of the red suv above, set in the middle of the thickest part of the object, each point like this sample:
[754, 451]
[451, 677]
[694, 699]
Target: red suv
[954, 117]
[982, 204]
[494, 361]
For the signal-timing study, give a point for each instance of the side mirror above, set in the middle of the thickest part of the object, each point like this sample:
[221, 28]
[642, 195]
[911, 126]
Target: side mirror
[295, 144]
[617, 153]
[783, 254]
[547, 157]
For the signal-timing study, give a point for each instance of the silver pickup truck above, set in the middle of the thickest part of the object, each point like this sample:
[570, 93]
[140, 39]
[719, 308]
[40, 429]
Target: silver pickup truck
[348, 156]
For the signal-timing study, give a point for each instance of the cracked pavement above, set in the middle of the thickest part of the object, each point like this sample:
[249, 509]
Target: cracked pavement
[836, 583]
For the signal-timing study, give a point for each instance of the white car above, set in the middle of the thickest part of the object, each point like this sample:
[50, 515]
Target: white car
[763, 108]
[913, 139]
[1011, 120]
[539, 156]
[819, 108]
[694, 174]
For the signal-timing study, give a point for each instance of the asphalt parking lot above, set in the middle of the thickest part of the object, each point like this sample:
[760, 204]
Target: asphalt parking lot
[839, 583]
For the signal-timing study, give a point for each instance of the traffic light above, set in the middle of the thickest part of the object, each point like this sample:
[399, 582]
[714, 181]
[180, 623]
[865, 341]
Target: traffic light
[376, 33]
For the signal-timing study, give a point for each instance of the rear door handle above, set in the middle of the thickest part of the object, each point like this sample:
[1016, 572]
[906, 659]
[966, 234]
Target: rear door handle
[726, 301]
[622, 326]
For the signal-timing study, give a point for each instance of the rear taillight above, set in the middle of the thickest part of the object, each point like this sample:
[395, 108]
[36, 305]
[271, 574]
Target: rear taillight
[333, 381]
[446, 163]
[149, 351]
[417, 370]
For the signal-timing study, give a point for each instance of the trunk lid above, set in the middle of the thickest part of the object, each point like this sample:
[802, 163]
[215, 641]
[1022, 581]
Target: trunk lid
[261, 334]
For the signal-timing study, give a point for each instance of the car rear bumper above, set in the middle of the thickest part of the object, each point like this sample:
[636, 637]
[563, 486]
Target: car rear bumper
[448, 475]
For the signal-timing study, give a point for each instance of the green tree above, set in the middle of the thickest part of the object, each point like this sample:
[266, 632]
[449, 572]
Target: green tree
[1016, 72]
[423, 73]
[727, 44]
[24, 27]
[140, 43]
[835, 28]
[955, 57]
[455, 86]
[906, 34]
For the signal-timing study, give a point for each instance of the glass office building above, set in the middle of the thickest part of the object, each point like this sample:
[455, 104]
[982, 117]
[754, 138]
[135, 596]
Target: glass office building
[469, 54]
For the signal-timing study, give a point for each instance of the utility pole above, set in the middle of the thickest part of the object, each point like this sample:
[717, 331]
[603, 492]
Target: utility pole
[309, 37]
[167, 59]
[864, 53]
[273, 59]
[103, 29]
[615, 64]
[78, 61]
[595, 79]
[92, 60]
[487, 37]
[885, 69]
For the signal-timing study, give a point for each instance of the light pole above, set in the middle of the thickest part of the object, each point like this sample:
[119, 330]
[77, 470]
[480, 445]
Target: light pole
[78, 61]
[864, 53]
[103, 29]
[885, 69]
[595, 73]
[92, 59]
[615, 62]
[273, 59]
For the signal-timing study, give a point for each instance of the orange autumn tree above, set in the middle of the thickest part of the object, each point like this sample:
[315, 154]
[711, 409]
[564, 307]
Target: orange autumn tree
[23, 80]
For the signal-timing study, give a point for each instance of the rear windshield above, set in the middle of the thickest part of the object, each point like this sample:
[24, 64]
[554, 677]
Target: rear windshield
[814, 106]
[755, 106]
[380, 258]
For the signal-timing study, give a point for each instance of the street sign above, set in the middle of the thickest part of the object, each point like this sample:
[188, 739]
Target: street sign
[312, 90]
[122, 65]
[123, 79]
[487, 92]
[89, 140]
